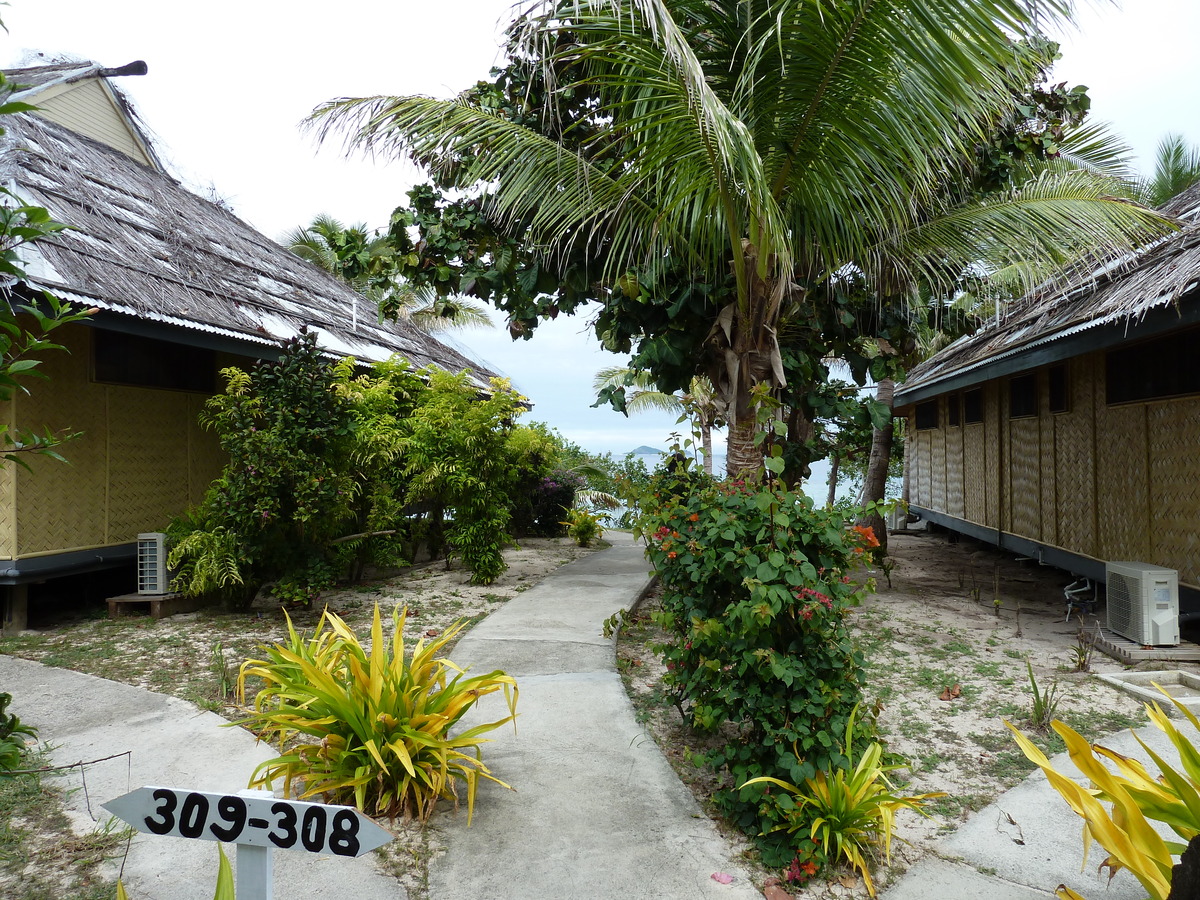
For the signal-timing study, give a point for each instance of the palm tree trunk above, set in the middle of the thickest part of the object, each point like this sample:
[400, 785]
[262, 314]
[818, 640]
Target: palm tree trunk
[743, 459]
[706, 443]
[875, 483]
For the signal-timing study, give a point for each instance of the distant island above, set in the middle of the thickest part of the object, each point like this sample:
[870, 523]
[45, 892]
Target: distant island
[643, 450]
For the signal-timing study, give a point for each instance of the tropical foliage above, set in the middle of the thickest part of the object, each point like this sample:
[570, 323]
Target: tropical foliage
[370, 727]
[850, 813]
[329, 471]
[456, 457]
[366, 261]
[707, 161]
[13, 735]
[1135, 798]
[1176, 168]
[756, 587]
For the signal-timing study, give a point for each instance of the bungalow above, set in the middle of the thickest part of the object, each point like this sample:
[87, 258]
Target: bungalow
[1069, 429]
[181, 289]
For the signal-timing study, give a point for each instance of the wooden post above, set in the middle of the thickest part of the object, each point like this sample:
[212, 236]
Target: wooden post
[16, 609]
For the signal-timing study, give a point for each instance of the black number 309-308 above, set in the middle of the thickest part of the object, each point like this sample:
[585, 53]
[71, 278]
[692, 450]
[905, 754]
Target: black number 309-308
[233, 819]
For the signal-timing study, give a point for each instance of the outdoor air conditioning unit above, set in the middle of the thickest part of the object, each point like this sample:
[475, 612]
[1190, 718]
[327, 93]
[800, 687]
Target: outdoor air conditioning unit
[1143, 603]
[152, 574]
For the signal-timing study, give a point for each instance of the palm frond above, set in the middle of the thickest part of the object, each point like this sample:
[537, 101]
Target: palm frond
[1042, 225]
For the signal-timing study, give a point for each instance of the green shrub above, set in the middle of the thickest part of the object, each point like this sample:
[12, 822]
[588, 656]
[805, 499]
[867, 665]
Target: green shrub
[583, 527]
[455, 455]
[287, 489]
[370, 728]
[12, 736]
[756, 586]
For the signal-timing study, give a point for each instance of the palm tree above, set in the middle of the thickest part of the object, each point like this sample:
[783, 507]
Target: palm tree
[365, 262]
[783, 140]
[699, 403]
[1176, 168]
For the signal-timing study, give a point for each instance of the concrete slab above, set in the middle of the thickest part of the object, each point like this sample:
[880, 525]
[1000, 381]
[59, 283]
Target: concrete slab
[939, 879]
[598, 812]
[1028, 842]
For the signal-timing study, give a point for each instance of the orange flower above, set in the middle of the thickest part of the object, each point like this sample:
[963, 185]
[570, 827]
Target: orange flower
[694, 517]
[672, 555]
[867, 535]
[810, 867]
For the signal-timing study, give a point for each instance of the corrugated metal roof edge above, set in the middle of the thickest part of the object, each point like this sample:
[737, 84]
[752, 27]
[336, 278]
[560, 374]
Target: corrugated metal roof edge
[229, 334]
[994, 366]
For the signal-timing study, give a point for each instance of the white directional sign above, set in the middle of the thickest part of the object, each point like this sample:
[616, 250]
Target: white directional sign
[257, 821]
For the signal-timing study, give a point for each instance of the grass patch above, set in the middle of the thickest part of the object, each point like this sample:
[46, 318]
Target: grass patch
[41, 858]
[957, 806]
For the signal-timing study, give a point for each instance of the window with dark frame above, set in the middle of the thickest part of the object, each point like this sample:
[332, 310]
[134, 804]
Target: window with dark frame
[973, 406]
[130, 359]
[1022, 396]
[1153, 370]
[1057, 385]
[953, 411]
[927, 415]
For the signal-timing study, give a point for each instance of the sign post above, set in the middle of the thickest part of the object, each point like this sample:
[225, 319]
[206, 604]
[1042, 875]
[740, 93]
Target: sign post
[256, 821]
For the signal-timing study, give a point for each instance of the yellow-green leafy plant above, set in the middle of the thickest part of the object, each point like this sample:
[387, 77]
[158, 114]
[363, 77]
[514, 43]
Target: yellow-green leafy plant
[372, 727]
[224, 880]
[850, 813]
[1133, 796]
[583, 527]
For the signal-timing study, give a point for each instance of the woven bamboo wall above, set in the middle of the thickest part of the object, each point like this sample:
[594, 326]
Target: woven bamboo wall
[974, 473]
[1174, 489]
[8, 496]
[1122, 479]
[923, 481]
[148, 471]
[1075, 462]
[61, 507]
[1048, 495]
[205, 456]
[993, 460]
[937, 464]
[955, 497]
[1108, 482]
[142, 459]
[1024, 477]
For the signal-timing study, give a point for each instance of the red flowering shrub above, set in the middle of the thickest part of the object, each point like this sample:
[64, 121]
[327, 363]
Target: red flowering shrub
[755, 589]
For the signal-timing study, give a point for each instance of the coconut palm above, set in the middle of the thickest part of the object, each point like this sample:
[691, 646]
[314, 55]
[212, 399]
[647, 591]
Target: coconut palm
[1176, 168]
[784, 141]
[364, 261]
[699, 402]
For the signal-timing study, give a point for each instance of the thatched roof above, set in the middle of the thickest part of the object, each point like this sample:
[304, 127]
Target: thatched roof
[1107, 302]
[143, 249]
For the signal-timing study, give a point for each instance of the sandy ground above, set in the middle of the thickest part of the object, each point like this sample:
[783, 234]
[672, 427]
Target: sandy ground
[961, 621]
[954, 614]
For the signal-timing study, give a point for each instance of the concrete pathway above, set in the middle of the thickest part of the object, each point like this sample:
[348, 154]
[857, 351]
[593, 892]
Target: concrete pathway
[598, 812]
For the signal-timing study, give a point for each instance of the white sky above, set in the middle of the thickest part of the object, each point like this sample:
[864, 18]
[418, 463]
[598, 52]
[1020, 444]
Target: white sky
[229, 83]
